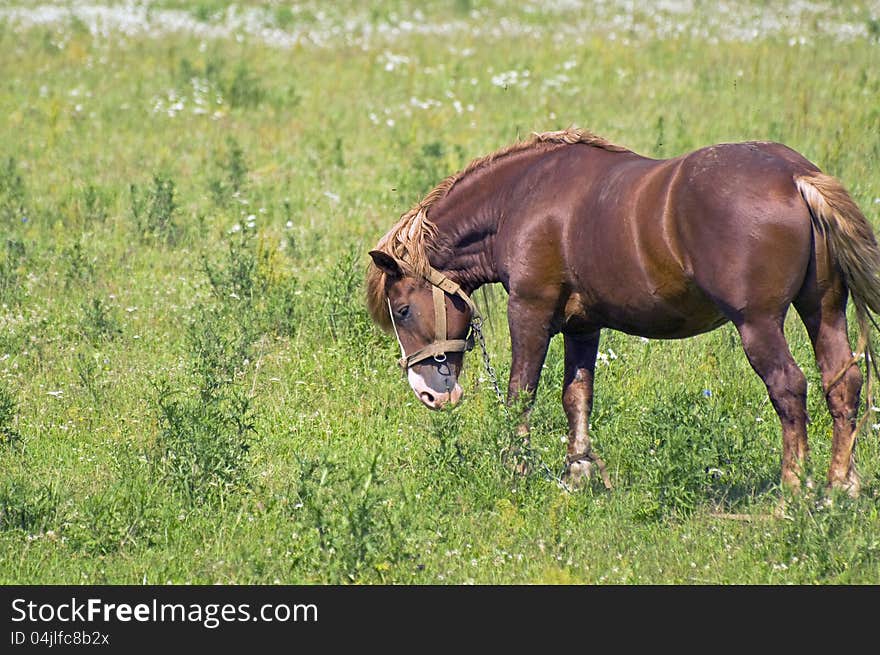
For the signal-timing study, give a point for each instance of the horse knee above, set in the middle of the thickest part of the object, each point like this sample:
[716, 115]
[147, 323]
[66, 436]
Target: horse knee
[577, 396]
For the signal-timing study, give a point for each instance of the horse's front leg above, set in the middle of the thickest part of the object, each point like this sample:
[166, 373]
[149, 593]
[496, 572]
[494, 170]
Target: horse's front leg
[577, 399]
[529, 339]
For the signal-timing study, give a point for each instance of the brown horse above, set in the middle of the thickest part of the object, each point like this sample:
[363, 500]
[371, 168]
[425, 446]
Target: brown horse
[585, 235]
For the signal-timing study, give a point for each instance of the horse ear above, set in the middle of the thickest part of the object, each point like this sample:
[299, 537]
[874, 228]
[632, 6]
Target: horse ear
[386, 262]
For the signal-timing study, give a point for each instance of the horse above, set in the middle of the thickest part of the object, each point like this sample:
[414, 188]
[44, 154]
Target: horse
[584, 235]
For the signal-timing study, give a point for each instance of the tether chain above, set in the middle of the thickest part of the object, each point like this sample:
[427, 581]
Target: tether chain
[477, 327]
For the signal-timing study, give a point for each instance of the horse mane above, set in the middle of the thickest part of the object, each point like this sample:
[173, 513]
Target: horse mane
[414, 236]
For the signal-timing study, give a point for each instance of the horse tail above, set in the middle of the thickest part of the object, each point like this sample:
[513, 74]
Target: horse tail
[850, 239]
[849, 235]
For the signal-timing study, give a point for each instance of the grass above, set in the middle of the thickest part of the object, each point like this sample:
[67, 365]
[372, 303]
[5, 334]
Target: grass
[191, 389]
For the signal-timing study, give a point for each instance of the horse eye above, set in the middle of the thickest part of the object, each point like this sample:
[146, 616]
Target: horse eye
[403, 312]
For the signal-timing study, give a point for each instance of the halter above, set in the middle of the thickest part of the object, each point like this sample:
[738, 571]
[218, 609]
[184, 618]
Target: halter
[440, 285]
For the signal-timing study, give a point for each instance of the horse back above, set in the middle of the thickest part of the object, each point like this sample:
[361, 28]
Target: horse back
[671, 248]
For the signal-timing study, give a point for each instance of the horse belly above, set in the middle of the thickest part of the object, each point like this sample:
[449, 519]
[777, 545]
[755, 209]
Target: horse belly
[650, 315]
[664, 323]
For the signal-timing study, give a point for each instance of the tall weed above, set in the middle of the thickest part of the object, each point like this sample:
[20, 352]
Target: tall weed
[153, 210]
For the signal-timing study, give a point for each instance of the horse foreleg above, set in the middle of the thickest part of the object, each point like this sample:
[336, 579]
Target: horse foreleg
[529, 339]
[577, 400]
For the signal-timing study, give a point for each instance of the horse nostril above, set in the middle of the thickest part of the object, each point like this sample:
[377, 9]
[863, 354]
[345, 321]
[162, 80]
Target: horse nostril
[427, 397]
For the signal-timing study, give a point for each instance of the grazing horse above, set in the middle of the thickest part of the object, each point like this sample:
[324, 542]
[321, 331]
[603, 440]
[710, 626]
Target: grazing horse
[584, 235]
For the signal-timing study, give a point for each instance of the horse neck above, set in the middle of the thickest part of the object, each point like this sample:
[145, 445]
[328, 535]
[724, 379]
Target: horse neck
[465, 250]
[468, 217]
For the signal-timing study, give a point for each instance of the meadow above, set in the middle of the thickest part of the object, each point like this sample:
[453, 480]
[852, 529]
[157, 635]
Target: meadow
[191, 390]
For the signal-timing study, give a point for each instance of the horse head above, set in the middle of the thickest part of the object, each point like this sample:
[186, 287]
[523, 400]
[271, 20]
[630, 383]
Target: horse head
[431, 317]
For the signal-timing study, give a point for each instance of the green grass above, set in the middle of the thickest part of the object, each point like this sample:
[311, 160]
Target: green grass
[191, 389]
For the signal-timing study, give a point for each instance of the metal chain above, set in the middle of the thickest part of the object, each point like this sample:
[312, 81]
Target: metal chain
[477, 327]
[528, 453]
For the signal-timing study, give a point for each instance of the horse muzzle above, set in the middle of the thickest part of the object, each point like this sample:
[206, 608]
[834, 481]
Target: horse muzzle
[435, 386]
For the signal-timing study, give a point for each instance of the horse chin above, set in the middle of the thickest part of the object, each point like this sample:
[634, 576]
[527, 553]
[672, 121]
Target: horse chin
[435, 390]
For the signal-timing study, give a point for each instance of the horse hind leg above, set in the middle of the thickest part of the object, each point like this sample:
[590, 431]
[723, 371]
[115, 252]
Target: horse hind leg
[767, 350]
[824, 315]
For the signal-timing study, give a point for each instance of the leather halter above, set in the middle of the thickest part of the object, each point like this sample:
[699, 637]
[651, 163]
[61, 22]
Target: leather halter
[440, 285]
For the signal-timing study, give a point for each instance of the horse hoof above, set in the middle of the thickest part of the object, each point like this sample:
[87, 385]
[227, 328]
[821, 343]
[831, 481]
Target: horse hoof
[780, 512]
[852, 486]
[521, 467]
[577, 475]
[515, 461]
